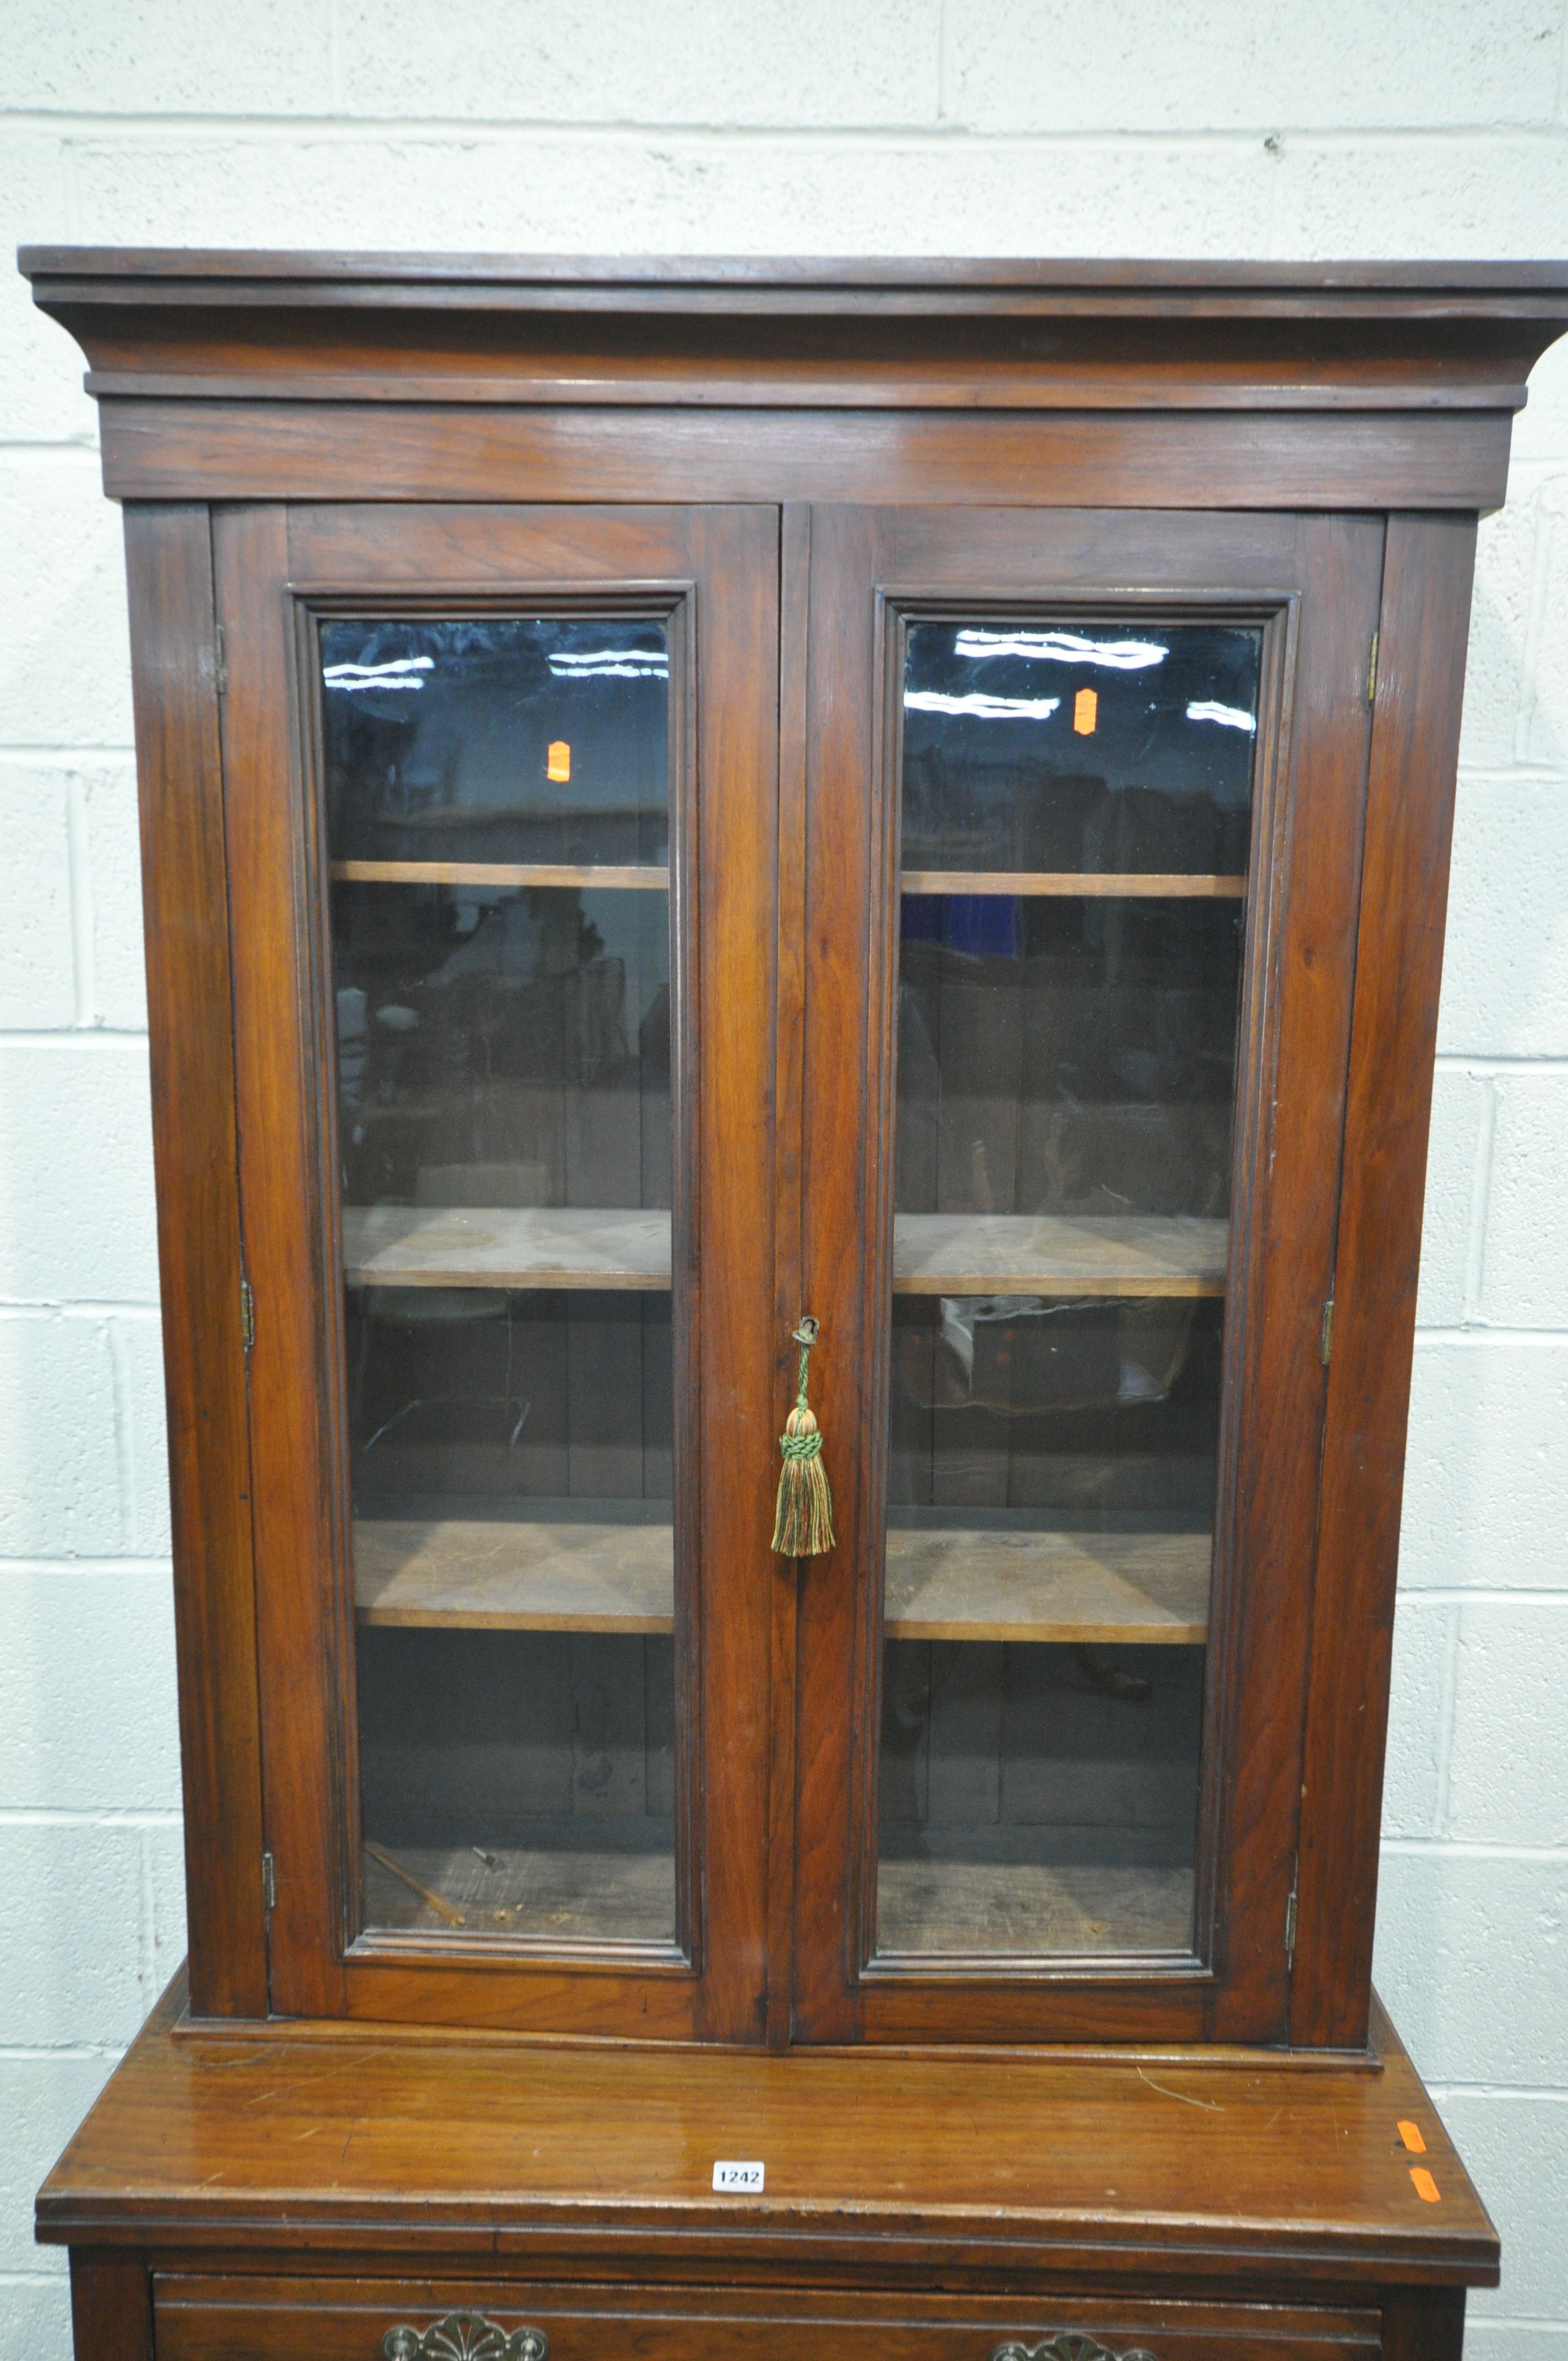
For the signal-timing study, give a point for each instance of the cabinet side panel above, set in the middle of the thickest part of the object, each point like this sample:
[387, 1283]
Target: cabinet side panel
[169, 560]
[1301, 1016]
[111, 2307]
[1424, 2324]
[1415, 736]
[282, 1230]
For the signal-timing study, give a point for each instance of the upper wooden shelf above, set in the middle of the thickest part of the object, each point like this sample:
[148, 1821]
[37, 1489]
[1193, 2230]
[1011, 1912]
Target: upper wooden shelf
[500, 873]
[504, 1246]
[513, 1576]
[1028, 1254]
[1127, 884]
[1168, 886]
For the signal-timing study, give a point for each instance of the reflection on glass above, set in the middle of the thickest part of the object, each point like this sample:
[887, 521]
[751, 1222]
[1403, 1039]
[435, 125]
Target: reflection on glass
[497, 826]
[1077, 800]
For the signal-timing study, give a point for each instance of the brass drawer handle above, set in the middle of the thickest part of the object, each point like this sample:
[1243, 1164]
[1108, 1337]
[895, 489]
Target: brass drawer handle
[465, 2336]
[1067, 2345]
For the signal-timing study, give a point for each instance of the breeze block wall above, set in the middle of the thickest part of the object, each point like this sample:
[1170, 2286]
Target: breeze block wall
[1385, 128]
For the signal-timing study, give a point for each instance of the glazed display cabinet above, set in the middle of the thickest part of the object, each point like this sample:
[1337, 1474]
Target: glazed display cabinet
[691, 810]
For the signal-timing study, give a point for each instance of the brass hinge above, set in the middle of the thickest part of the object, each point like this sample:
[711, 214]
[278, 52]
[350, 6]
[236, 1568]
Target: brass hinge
[269, 1883]
[219, 661]
[1372, 672]
[1326, 1335]
[1291, 1929]
[246, 1315]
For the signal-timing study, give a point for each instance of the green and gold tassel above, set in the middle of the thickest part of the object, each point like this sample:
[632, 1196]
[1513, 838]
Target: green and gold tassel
[803, 1526]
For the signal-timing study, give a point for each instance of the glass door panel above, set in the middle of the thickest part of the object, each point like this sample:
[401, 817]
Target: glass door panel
[504, 963]
[498, 841]
[1075, 797]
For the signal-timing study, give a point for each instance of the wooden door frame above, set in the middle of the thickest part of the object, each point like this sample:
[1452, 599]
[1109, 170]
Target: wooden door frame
[175, 677]
[1321, 577]
[1422, 631]
[273, 565]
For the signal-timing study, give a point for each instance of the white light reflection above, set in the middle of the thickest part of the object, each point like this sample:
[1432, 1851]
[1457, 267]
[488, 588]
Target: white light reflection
[399, 672]
[1231, 716]
[1061, 647]
[984, 709]
[621, 663]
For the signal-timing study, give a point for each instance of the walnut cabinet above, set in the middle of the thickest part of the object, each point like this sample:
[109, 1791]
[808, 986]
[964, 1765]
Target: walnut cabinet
[678, 797]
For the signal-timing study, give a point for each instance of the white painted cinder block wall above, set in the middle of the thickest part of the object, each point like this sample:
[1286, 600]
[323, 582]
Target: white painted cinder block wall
[1375, 127]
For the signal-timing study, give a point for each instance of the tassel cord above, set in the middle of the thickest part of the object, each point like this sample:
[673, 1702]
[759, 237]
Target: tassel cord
[803, 1524]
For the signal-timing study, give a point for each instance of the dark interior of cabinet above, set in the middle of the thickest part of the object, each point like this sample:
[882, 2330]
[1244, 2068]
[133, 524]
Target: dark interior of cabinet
[502, 1047]
[527, 1778]
[438, 734]
[1057, 1792]
[1065, 1055]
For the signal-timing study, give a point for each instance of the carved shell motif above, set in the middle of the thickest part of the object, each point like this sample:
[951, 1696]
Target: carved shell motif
[1067, 2344]
[465, 2336]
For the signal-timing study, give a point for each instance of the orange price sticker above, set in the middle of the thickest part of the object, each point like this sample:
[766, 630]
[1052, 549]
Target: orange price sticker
[1411, 2136]
[1085, 712]
[558, 761]
[1426, 2187]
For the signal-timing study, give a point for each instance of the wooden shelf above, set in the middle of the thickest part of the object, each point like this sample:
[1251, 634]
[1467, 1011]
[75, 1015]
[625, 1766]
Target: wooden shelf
[1168, 886]
[1077, 1589]
[1024, 1907]
[512, 1575]
[499, 873]
[504, 1246]
[569, 1896]
[1057, 1254]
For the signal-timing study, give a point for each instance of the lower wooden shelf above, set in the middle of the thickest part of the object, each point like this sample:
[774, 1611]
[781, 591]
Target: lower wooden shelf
[491, 1575]
[566, 1895]
[1082, 1588]
[513, 1576]
[1027, 1908]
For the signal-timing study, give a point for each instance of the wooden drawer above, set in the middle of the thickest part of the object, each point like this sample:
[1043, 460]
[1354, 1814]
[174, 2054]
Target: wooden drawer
[200, 2318]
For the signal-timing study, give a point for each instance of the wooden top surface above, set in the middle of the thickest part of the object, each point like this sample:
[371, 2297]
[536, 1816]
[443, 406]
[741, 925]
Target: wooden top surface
[419, 2144]
[649, 277]
[740, 331]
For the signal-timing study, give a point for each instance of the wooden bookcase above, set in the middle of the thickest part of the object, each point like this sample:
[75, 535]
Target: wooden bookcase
[676, 794]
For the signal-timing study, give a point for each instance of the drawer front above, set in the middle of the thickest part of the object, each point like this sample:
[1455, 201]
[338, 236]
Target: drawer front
[201, 2318]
